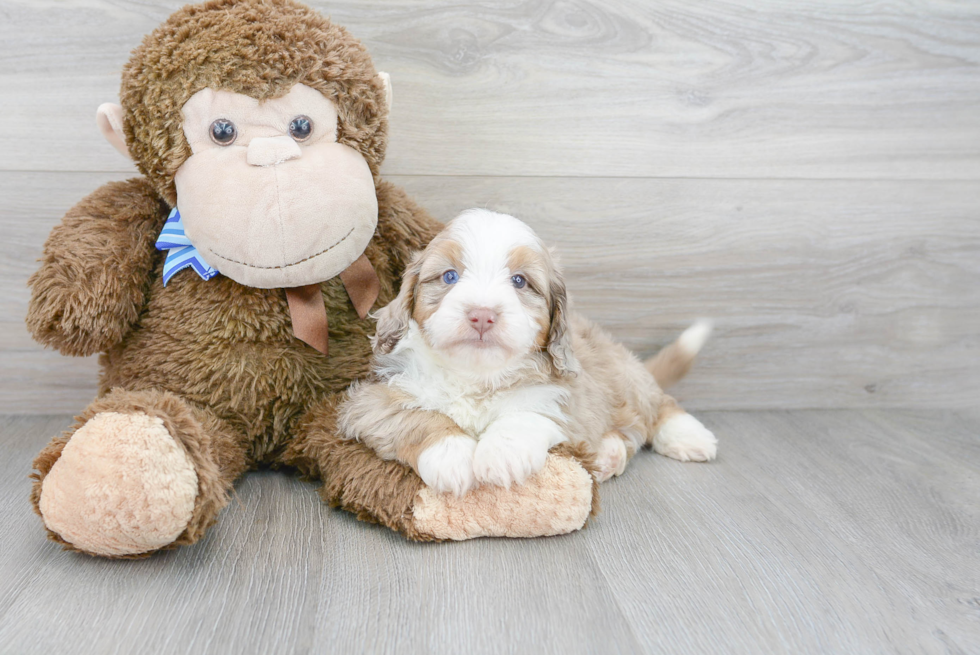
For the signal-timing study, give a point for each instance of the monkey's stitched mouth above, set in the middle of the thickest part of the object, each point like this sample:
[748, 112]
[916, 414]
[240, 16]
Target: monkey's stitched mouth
[297, 263]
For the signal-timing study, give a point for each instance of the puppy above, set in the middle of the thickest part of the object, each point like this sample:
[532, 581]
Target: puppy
[480, 369]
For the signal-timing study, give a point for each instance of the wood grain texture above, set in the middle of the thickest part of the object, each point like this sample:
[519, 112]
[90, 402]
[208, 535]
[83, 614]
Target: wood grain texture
[825, 293]
[867, 519]
[814, 532]
[807, 88]
[805, 172]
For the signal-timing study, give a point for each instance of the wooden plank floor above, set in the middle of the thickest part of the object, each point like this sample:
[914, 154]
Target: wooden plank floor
[815, 531]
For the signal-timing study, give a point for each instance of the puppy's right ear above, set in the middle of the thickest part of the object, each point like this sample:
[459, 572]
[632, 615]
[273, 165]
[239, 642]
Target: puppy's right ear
[393, 318]
[559, 337]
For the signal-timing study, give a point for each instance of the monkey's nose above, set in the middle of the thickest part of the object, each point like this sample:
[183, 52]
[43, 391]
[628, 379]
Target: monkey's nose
[482, 319]
[269, 151]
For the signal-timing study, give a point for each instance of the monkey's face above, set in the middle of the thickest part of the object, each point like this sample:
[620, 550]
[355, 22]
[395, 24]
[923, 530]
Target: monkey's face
[268, 196]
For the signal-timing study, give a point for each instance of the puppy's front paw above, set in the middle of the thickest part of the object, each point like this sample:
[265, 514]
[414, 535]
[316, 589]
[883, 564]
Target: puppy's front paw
[683, 437]
[448, 465]
[501, 460]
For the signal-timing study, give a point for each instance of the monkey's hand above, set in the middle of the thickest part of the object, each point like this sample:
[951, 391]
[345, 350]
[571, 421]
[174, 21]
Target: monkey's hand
[95, 271]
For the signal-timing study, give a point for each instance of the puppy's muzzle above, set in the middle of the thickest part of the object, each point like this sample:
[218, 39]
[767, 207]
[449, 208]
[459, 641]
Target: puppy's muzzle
[482, 319]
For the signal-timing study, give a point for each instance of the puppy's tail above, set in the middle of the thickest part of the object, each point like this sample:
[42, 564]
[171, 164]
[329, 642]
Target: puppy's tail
[674, 361]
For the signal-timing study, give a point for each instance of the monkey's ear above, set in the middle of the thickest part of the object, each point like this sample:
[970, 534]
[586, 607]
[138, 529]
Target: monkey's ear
[394, 318]
[109, 118]
[386, 80]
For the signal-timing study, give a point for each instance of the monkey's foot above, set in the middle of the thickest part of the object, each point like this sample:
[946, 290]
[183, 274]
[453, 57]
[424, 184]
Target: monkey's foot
[556, 500]
[122, 486]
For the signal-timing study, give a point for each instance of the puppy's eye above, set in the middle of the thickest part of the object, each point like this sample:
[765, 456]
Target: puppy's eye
[223, 132]
[518, 281]
[301, 128]
[450, 277]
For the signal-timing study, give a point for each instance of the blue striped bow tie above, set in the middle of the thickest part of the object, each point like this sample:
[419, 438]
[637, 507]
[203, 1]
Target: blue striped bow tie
[181, 252]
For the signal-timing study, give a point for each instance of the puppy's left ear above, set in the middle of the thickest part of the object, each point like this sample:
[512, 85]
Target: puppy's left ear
[394, 317]
[559, 337]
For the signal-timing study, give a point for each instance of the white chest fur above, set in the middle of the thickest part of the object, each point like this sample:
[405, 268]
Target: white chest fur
[472, 402]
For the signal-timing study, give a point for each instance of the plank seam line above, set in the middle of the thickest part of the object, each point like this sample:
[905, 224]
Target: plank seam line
[578, 177]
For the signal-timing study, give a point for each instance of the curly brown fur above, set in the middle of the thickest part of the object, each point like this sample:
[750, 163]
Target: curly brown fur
[196, 328]
[230, 348]
[95, 271]
[198, 47]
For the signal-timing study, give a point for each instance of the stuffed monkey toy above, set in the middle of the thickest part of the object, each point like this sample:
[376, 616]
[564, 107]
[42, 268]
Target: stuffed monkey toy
[228, 291]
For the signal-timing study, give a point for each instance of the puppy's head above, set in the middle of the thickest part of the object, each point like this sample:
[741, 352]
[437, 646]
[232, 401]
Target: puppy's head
[486, 293]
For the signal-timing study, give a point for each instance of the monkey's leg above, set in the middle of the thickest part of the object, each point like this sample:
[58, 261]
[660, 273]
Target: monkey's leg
[557, 500]
[139, 471]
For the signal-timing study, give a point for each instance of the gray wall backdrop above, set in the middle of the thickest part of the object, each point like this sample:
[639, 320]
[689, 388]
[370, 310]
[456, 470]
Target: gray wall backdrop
[806, 173]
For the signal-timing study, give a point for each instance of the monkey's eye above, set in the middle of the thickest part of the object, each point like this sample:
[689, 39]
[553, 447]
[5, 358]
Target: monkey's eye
[450, 277]
[301, 128]
[223, 132]
[518, 281]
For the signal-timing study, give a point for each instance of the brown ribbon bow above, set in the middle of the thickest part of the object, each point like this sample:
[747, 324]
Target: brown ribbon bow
[309, 313]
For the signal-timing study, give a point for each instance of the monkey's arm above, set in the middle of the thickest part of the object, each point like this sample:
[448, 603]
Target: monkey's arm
[96, 268]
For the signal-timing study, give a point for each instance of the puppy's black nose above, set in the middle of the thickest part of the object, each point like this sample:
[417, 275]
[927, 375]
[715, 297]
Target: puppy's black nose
[482, 319]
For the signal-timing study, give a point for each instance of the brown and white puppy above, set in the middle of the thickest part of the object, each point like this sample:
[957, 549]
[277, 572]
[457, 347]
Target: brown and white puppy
[480, 370]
